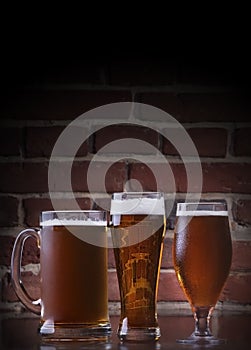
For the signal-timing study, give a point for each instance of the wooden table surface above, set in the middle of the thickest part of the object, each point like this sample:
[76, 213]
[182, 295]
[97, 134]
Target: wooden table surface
[20, 332]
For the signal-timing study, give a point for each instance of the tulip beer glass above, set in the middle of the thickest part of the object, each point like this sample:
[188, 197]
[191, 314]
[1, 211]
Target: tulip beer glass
[138, 229]
[74, 303]
[202, 253]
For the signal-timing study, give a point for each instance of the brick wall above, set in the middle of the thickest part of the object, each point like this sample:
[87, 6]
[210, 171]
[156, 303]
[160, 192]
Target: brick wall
[215, 111]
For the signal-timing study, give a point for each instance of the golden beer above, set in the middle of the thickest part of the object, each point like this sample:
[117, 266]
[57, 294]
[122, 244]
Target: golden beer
[202, 253]
[202, 257]
[138, 245]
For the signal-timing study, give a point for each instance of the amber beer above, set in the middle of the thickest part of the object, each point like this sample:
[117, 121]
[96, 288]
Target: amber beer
[202, 254]
[74, 271]
[138, 245]
[74, 301]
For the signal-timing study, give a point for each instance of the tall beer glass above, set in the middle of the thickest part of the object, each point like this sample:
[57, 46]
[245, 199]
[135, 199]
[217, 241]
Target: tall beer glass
[138, 229]
[202, 253]
[73, 303]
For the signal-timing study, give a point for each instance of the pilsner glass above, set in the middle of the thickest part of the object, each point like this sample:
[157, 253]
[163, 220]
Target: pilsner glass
[138, 229]
[202, 253]
[73, 304]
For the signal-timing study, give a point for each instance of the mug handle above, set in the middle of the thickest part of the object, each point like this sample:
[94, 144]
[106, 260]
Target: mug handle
[16, 258]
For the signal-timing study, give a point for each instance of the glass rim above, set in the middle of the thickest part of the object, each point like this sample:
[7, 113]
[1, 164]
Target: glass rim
[202, 208]
[197, 204]
[140, 193]
[137, 192]
[204, 202]
[73, 211]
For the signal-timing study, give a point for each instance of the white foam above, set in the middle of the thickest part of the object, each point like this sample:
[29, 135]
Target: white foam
[142, 206]
[72, 222]
[201, 213]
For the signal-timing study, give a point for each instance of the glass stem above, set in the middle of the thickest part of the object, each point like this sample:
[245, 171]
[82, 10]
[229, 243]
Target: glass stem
[202, 320]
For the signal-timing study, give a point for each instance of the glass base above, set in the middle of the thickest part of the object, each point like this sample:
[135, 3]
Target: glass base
[77, 332]
[201, 340]
[139, 334]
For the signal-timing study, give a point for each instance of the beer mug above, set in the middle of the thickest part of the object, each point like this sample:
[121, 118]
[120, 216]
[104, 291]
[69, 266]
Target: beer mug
[202, 253]
[138, 229]
[74, 301]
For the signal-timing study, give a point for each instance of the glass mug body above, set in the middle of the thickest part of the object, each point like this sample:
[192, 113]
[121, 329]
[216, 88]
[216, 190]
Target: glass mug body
[74, 301]
[138, 229]
[202, 253]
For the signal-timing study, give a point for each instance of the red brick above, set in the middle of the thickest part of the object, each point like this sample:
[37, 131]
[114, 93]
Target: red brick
[8, 211]
[241, 142]
[41, 140]
[167, 258]
[111, 259]
[78, 177]
[30, 281]
[179, 174]
[59, 104]
[217, 177]
[109, 175]
[198, 107]
[241, 259]
[113, 287]
[148, 179]
[102, 203]
[117, 132]
[113, 175]
[144, 175]
[116, 177]
[209, 142]
[167, 101]
[30, 253]
[216, 107]
[10, 141]
[169, 289]
[23, 177]
[227, 177]
[242, 211]
[34, 206]
[6, 244]
[33, 177]
[237, 289]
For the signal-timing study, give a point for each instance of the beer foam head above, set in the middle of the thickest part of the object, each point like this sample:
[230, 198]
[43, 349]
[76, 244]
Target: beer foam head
[57, 222]
[142, 205]
[201, 209]
[73, 218]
